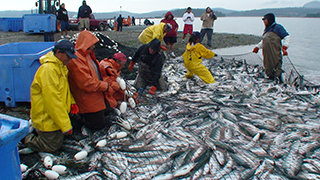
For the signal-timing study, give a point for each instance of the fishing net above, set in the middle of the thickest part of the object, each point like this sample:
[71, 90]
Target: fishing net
[290, 76]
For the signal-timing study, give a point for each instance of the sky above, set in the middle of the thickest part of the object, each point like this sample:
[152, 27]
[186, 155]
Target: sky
[142, 6]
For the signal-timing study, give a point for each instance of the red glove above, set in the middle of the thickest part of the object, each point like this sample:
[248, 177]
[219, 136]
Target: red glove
[284, 50]
[69, 132]
[255, 50]
[110, 90]
[111, 71]
[130, 67]
[152, 90]
[163, 48]
[115, 86]
[74, 109]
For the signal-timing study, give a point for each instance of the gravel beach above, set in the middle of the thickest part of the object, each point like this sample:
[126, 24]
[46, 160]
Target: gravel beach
[128, 37]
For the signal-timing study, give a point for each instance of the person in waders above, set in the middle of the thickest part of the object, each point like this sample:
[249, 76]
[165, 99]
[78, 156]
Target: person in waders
[275, 40]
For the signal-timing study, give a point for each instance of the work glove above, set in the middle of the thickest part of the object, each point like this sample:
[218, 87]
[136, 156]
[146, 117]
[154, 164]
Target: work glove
[69, 132]
[284, 50]
[111, 71]
[152, 90]
[74, 109]
[130, 67]
[255, 50]
[163, 48]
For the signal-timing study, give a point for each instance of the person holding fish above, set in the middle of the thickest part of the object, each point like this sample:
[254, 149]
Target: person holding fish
[275, 39]
[194, 52]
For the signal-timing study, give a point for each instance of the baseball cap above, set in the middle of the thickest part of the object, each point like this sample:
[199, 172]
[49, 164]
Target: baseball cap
[66, 46]
[120, 57]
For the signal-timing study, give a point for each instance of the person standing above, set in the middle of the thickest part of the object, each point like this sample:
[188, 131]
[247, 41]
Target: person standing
[150, 67]
[208, 19]
[119, 23]
[275, 39]
[192, 57]
[64, 20]
[84, 13]
[171, 37]
[86, 84]
[188, 18]
[51, 100]
[133, 21]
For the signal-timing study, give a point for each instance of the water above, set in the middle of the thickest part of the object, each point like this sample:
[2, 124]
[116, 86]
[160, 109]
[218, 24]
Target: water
[304, 32]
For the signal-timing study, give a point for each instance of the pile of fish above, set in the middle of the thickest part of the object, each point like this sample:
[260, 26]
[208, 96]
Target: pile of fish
[241, 127]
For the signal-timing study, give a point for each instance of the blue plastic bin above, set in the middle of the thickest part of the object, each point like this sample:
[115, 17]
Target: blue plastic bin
[39, 23]
[12, 130]
[19, 62]
[11, 24]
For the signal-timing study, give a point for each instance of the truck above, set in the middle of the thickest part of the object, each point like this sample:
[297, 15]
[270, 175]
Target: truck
[98, 24]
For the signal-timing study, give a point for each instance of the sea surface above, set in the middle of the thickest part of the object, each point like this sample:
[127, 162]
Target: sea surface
[304, 49]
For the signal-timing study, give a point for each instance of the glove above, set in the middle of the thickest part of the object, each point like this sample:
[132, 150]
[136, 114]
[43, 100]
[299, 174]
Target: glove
[284, 50]
[255, 50]
[152, 90]
[69, 132]
[74, 109]
[111, 71]
[130, 67]
[163, 48]
[110, 90]
[136, 97]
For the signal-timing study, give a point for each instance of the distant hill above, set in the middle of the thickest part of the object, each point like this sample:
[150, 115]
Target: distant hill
[313, 4]
[283, 12]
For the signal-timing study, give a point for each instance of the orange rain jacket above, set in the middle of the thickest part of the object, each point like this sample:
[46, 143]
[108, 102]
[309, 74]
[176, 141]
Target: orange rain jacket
[87, 89]
[119, 94]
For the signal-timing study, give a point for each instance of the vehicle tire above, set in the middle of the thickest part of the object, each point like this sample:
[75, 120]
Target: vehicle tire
[101, 27]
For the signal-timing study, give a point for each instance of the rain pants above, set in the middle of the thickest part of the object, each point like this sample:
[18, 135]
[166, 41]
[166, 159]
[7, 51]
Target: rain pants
[51, 101]
[118, 95]
[193, 59]
[86, 87]
[152, 32]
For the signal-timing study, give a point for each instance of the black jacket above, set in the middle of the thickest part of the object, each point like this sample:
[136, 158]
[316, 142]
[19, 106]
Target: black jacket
[63, 15]
[84, 11]
[154, 61]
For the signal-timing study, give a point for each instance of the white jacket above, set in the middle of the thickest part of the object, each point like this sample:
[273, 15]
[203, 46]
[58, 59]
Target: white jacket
[188, 20]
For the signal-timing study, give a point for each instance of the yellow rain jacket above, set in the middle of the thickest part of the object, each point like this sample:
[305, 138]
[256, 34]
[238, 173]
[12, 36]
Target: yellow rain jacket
[152, 32]
[193, 59]
[51, 98]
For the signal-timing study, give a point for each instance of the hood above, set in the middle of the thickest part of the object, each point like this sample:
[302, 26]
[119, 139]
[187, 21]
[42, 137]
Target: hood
[85, 40]
[191, 47]
[49, 58]
[271, 18]
[169, 13]
[155, 45]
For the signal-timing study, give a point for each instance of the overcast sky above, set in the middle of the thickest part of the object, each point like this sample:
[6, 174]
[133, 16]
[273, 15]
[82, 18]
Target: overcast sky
[141, 6]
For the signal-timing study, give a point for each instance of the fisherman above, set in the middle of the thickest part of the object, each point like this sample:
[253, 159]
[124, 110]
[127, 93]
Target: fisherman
[207, 19]
[171, 37]
[188, 18]
[51, 100]
[193, 55]
[62, 16]
[84, 13]
[111, 69]
[155, 31]
[275, 39]
[150, 67]
[86, 84]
